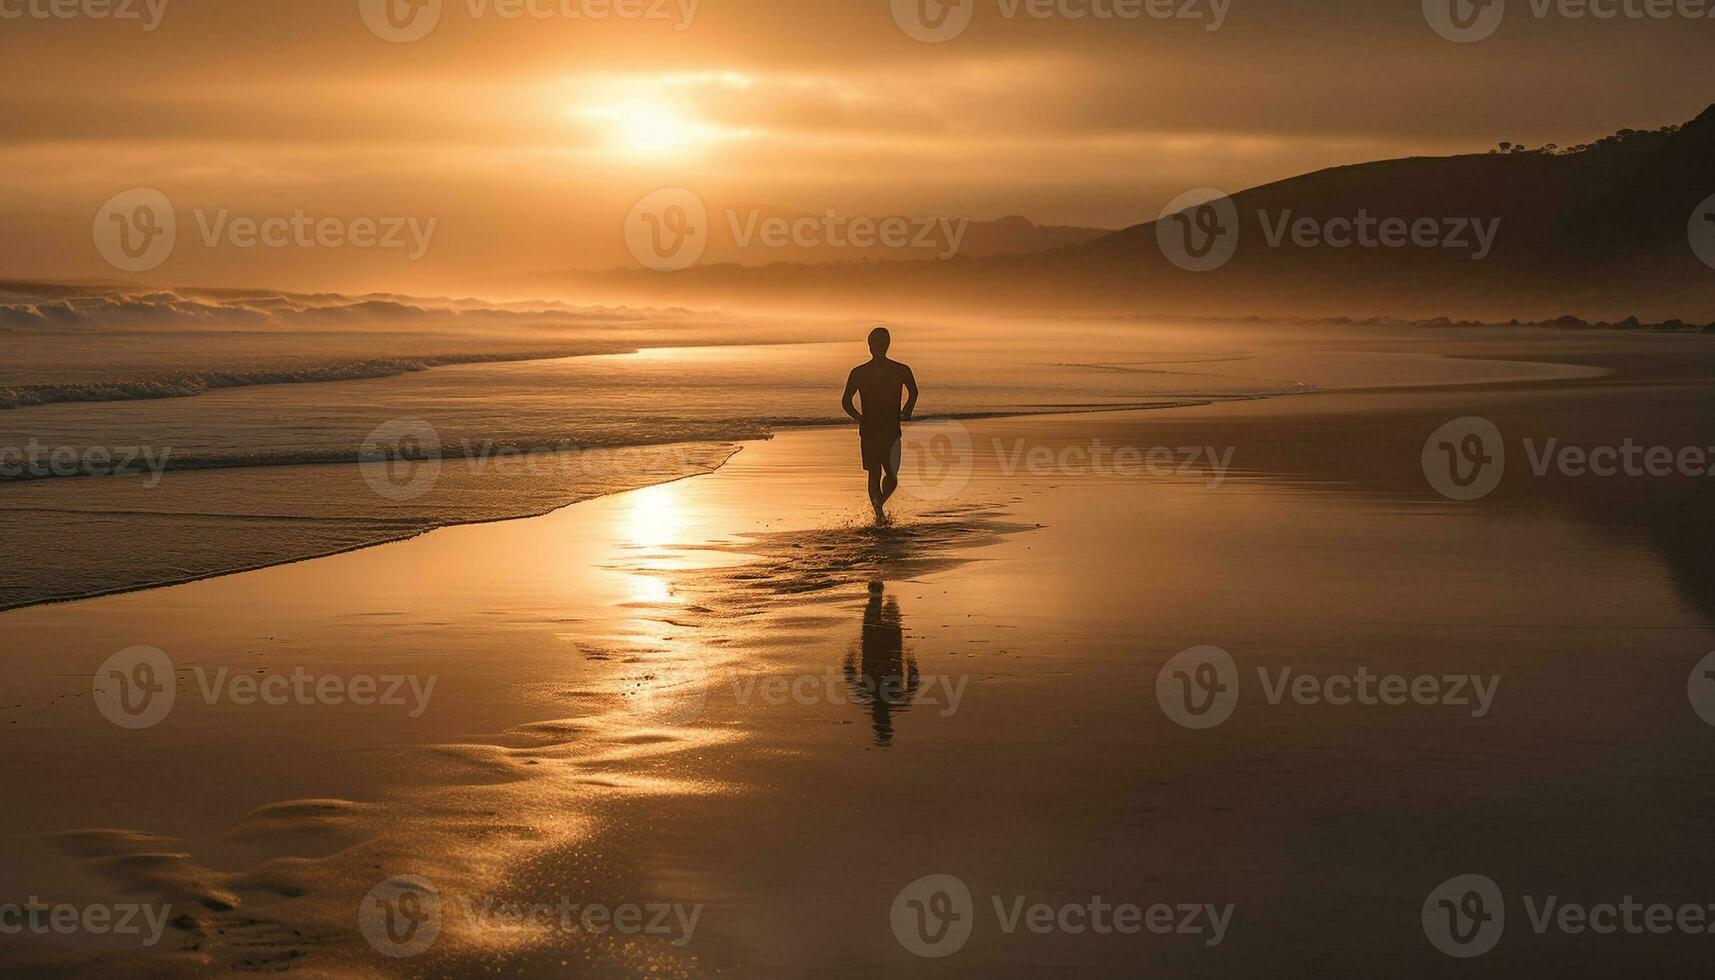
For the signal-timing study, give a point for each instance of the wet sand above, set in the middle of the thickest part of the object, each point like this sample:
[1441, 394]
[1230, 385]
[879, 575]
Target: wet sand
[971, 692]
[260, 475]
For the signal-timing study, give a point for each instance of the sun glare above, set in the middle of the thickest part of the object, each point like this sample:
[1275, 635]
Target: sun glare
[647, 128]
[644, 117]
[654, 516]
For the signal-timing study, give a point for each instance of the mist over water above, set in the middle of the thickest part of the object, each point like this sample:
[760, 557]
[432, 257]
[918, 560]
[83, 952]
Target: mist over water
[658, 390]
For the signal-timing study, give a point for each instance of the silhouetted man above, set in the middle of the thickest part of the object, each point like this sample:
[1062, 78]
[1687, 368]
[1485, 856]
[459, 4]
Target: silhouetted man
[882, 383]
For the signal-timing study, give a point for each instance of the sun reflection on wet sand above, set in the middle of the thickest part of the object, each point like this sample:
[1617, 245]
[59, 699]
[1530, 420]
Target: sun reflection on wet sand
[624, 620]
[653, 518]
[650, 589]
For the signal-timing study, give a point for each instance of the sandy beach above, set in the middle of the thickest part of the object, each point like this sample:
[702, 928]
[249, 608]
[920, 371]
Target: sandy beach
[695, 705]
[829, 490]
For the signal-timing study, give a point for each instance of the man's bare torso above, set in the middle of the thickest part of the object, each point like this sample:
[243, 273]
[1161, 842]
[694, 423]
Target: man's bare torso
[881, 391]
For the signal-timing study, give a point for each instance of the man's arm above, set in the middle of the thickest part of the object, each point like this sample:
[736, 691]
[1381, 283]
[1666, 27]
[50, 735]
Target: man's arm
[911, 395]
[851, 390]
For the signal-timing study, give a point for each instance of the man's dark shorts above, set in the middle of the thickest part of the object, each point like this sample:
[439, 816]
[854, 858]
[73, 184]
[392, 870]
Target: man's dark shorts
[881, 447]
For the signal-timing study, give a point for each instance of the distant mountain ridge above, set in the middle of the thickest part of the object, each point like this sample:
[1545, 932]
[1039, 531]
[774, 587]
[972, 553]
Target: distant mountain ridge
[1599, 231]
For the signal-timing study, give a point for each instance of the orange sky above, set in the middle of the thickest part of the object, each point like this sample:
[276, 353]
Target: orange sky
[528, 139]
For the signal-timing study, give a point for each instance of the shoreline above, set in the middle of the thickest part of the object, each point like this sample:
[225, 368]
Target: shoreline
[19, 397]
[481, 451]
[127, 590]
[435, 522]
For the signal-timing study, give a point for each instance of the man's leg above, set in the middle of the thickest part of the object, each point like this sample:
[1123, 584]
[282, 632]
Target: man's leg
[875, 496]
[890, 477]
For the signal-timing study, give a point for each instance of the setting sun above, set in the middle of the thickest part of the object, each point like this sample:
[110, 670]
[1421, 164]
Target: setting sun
[647, 128]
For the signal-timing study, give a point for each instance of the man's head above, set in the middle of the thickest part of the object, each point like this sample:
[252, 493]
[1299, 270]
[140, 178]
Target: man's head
[879, 339]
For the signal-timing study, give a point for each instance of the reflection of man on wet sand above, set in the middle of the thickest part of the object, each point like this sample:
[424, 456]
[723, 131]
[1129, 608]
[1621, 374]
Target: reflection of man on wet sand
[885, 678]
[882, 383]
